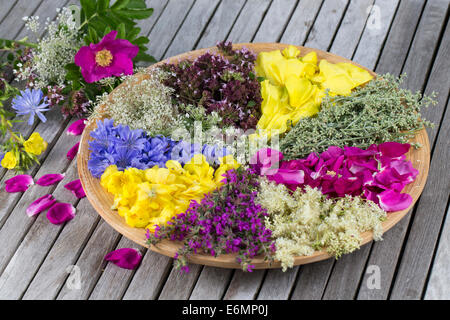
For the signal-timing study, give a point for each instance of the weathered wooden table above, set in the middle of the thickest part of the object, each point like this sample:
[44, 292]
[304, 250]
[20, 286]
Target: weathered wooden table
[39, 260]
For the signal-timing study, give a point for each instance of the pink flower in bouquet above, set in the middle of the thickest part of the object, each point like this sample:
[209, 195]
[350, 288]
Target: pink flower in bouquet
[109, 57]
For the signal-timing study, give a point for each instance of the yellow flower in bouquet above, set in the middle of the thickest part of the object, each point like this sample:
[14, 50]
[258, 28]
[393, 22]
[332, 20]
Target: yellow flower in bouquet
[294, 86]
[35, 144]
[9, 161]
[150, 197]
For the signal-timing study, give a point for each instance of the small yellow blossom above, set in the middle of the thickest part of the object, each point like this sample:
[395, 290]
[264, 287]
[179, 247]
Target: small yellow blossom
[35, 144]
[150, 197]
[9, 161]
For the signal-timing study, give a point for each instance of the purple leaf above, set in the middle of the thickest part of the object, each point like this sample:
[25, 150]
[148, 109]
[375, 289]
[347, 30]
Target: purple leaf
[39, 205]
[76, 188]
[76, 128]
[49, 179]
[73, 151]
[18, 183]
[60, 213]
[126, 258]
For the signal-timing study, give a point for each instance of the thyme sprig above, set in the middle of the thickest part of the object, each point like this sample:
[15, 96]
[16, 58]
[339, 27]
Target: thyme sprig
[378, 112]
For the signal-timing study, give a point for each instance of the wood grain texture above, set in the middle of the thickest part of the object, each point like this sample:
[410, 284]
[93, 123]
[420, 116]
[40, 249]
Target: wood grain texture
[180, 284]
[221, 23]
[211, 284]
[277, 284]
[245, 285]
[102, 201]
[438, 286]
[312, 280]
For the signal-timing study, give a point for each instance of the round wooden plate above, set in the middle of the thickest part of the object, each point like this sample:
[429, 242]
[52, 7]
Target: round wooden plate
[102, 201]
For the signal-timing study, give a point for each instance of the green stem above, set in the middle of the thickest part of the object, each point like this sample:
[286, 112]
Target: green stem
[88, 20]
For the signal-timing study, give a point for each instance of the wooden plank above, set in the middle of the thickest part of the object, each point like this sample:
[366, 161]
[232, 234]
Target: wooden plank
[248, 21]
[245, 285]
[312, 280]
[192, 27]
[278, 284]
[400, 36]
[385, 253]
[146, 25]
[275, 20]
[114, 280]
[211, 284]
[301, 22]
[35, 246]
[149, 277]
[374, 35]
[351, 28]
[53, 272]
[438, 286]
[91, 263]
[223, 20]
[10, 26]
[179, 284]
[169, 22]
[326, 24]
[7, 6]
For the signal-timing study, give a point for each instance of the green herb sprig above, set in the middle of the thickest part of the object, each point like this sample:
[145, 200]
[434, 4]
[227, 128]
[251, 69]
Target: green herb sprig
[378, 112]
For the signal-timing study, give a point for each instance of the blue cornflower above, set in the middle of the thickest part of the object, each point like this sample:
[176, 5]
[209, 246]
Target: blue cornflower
[29, 103]
[123, 158]
[103, 136]
[130, 139]
[213, 153]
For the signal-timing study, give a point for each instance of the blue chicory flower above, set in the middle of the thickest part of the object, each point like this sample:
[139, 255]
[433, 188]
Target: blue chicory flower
[29, 103]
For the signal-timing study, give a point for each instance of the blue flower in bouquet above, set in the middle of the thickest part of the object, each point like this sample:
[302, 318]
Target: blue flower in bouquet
[130, 139]
[157, 151]
[103, 136]
[214, 153]
[29, 103]
[124, 157]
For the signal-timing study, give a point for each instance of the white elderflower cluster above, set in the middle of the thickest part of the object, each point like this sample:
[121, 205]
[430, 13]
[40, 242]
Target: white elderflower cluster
[56, 49]
[306, 220]
[142, 102]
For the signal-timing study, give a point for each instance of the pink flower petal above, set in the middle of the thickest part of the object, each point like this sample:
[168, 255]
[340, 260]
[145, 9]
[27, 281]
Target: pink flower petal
[393, 149]
[77, 127]
[39, 205]
[76, 188]
[391, 200]
[60, 213]
[73, 151]
[18, 183]
[49, 179]
[126, 258]
[266, 161]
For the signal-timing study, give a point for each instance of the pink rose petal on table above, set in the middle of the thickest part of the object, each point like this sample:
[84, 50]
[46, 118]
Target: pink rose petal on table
[76, 128]
[126, 258]
[40, 204]
[18, 183]
[391, 200]
[73, 151]
[49, 179]
[60, 213]
[76, 188]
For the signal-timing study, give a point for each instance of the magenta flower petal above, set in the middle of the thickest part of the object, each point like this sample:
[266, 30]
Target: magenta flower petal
[77, 127]
[49, 179]
[393, 149]
[76, 188]
[266, 161]
[73, 151]
[291, 177]
[18, 183]
[39, 205]
[391, 200]
[126, 258]
[60, 213]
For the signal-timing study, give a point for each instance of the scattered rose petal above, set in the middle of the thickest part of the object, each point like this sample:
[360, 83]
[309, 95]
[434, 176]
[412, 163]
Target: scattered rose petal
[126, 258]
[393, 149]
[76, 188]
[18, 183]
[73, 151]
[391, 200]
[39, 205]
[49, 179]
[76, 128]
[60, 213]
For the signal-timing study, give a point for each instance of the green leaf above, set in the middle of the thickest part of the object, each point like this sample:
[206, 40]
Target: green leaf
[133, 33]
[89, 7]
[121, 31]
[140, 41]
[119, 4]
[72, 67]
[102, 5]
[138, 14]
[142, 56]
[138, 4]
[93, 35]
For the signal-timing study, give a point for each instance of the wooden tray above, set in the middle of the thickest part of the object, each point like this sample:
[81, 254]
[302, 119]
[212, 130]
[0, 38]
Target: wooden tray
[102, 201]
